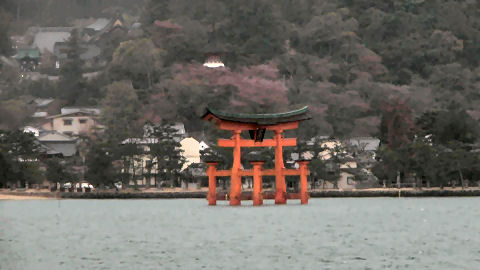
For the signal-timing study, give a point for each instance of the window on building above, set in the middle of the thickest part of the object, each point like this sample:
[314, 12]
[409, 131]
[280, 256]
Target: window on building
[351, 180]
[67, 122]
[82, 120]
[148, 164]
[331, 167]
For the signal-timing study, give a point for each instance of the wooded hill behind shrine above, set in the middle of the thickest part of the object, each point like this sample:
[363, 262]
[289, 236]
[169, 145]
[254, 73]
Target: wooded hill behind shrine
[347, 60]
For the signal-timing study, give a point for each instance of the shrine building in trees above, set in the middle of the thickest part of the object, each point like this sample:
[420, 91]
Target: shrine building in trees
[28, 59]
[257, 125]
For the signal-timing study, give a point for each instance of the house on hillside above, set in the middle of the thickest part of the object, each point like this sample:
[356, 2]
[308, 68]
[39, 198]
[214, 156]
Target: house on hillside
[179, 130]
[98, 25]
[43, 107]
[41, 41]
[88, 54]
[52, 42]
[142, 168]
[191, 151]
[112, 33]
[327, 146]
[21, 41]
[44, 38]
[73, 122]
[364, 150]
[28, 59]
[364, 143]
[350, 160]
[58, 144]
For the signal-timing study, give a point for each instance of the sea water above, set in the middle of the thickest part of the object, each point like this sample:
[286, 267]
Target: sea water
[340, 233]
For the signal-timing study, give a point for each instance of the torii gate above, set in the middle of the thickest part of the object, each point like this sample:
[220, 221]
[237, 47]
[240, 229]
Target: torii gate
[257, 124]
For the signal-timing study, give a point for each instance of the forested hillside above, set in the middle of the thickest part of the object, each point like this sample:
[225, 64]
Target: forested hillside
[345, 59]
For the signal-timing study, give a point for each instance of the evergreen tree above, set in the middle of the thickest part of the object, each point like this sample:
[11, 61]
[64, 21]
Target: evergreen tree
[20, 154]
[100, 165]
[5, 45]
[72, 84]
[6, 171]
[130, 154]
[56, 171]
[139, 60]
[156, 10]
[167, 153]
[120, 111]
[252, 34]
[449, 126]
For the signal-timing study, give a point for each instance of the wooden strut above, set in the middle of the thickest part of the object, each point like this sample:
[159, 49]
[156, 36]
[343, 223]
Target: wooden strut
[212, 183]
[257, 196]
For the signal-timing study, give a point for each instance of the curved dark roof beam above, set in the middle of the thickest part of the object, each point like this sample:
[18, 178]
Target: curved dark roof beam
[260, 119]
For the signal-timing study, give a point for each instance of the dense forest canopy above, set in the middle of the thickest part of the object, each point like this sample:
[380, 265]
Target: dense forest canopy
[345, 59]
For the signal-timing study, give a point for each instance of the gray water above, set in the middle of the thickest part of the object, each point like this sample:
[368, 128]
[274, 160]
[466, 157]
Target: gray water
[344, 233]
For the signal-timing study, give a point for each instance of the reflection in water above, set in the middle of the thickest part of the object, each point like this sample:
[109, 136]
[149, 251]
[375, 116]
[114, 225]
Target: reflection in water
[368, 233]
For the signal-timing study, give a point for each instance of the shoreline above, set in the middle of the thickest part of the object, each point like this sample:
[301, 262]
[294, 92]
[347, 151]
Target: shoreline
[21, 197]
[201, 194]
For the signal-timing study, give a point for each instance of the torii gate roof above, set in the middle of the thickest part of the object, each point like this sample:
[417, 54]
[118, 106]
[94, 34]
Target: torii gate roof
[264, 119]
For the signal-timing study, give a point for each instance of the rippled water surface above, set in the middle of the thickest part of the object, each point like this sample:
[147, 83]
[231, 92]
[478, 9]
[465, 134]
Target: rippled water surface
[343, 233]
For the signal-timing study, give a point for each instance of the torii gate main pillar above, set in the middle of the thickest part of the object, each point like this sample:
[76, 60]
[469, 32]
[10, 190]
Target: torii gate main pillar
[236, 179]
[280, 186]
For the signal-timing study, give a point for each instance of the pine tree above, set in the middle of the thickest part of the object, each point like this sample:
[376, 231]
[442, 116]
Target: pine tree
[99, 161]
[71, 82]
[56, 171]
[20, 155]
[167, 153]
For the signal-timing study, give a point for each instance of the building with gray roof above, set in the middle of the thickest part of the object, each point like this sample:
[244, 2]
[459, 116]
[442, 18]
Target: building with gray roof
[99, 24]
[45, 40]
[57, 142]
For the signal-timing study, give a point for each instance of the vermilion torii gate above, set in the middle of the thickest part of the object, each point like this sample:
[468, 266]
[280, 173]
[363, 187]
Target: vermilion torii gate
[257, 125]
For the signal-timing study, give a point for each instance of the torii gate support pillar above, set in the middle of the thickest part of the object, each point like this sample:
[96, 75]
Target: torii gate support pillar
[280, 186]
[257, 196]
[236, 179]
[212, 183]
[303, 182]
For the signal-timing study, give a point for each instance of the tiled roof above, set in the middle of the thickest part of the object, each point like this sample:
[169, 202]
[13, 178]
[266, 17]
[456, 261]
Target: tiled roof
[31, 53]
[54, 136]
[40, 102]
[40, 114]
[99, 24]
[47, 40]
[67, 110]
[67, 149]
